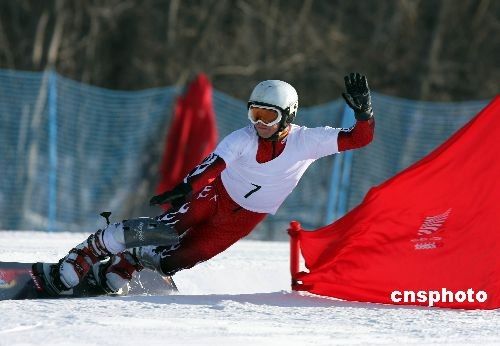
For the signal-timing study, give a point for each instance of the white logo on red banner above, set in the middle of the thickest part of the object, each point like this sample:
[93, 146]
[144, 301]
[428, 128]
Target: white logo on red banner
[427, 239]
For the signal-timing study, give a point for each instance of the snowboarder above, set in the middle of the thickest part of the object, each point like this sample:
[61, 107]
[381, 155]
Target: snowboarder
[222, 200]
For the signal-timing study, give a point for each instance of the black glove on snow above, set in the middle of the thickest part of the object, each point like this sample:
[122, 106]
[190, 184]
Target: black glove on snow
[357, 96]
[176, 196]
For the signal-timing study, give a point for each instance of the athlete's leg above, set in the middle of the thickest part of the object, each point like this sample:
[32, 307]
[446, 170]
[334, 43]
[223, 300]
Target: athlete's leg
[117, 272]
[204, 241]
[227, 224]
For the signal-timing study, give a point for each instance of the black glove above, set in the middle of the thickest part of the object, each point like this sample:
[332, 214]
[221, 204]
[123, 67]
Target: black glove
[176, 196]
[357, 96]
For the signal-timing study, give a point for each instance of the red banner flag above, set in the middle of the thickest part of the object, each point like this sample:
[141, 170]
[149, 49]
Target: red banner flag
[192, 134]
[434, 227]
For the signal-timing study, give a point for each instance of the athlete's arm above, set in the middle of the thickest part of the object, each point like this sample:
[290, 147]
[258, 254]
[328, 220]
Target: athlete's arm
[357, 136]
[200, 176]
[205, 172]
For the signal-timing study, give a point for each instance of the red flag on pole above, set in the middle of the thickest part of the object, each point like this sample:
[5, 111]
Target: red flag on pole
[192, 134]
[434, 227]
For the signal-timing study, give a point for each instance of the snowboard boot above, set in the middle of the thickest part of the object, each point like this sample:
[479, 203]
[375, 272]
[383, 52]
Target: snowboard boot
[115, 274]
[77, 263]
[46, 277]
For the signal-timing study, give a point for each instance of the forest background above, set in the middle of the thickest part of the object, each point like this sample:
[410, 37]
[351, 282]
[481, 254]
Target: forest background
[418, 49]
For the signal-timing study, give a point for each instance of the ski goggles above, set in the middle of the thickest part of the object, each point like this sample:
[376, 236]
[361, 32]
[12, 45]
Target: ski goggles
[266, 115]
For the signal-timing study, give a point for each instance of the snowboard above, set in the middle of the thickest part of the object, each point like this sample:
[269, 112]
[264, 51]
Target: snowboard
[19, 281]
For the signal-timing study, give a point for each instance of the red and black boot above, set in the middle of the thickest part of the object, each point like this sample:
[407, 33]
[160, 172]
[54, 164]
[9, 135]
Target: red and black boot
[78, 262]
[115, 274]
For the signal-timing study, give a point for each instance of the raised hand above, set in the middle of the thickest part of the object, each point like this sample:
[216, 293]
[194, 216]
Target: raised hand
[357, 96]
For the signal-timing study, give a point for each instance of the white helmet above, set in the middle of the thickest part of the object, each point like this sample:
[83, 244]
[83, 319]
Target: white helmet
[278, 94]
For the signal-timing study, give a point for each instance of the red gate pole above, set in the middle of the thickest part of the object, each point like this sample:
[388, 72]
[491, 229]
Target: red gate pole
[293, 231]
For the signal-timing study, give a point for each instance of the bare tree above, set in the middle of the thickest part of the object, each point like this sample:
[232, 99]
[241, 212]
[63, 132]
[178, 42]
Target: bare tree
[421, 49]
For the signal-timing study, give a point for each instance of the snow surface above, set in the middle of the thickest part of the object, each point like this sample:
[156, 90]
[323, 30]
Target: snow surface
[241, 297]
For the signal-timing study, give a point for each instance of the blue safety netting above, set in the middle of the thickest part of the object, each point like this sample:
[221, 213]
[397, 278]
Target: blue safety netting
[69, 151]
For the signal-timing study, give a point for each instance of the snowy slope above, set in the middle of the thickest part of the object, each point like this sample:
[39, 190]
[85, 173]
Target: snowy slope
[241, 297]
